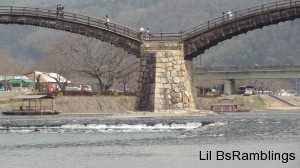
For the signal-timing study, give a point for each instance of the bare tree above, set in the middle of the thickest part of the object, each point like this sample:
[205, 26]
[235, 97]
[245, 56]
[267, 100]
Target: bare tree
[128, 75]
[6, 65]
[60, 63]
[90, 57]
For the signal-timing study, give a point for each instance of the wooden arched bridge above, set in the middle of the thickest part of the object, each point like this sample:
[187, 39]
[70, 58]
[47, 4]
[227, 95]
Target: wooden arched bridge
[196, 40]
[202, 37]
[119, 35]
[165, 80]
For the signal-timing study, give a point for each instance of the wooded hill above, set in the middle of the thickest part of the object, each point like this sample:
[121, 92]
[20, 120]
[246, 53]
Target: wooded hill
[278, 44]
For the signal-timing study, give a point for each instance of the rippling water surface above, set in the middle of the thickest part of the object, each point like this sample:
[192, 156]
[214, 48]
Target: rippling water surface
[92, 142]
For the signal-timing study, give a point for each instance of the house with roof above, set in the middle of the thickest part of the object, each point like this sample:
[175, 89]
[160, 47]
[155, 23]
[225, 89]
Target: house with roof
[227, 105]
[46, 81]
[16, 83]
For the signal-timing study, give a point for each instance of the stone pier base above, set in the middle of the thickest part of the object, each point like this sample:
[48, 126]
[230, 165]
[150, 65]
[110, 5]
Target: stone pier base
[164, 81]
[229, 86]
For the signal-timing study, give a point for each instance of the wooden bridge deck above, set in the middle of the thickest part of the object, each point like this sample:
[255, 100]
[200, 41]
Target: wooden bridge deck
[119, 35]
[204, 36]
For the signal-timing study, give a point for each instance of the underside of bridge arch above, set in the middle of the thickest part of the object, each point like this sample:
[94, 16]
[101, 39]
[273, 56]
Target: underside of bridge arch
[132, 46]
[197, 44]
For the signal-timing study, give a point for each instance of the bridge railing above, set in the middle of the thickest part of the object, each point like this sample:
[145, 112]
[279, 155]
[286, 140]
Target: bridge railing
[135, 34]
[71, 17]
[225, 19]
[162, 37]
[249, 67]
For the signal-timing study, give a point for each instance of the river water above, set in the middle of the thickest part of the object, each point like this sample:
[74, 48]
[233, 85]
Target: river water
[173, 142]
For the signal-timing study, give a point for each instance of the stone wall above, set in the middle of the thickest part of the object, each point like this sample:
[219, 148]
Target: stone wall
[164, 81]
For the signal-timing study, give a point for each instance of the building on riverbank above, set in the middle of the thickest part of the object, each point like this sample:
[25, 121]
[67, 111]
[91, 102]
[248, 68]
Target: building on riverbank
[46, 81]
[16, 83]
[226, 105]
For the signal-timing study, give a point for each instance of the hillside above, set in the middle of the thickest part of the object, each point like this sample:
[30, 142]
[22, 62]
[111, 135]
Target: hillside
[270, 45]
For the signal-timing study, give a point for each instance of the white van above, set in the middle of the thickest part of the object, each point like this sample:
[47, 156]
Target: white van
[248, 91]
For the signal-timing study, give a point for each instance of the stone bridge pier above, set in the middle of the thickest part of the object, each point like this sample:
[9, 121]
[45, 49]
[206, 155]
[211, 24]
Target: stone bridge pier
[165, 79]
[229, 87]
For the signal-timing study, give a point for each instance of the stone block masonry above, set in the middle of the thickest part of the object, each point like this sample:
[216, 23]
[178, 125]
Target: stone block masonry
[164, 81]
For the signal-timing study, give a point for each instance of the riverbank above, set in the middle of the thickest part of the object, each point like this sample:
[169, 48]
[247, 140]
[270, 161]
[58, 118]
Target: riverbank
[124, 105]
[256, 102]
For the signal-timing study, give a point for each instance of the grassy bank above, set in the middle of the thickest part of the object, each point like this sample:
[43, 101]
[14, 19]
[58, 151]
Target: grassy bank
[255, 102]
[94, 104]
[120, 104]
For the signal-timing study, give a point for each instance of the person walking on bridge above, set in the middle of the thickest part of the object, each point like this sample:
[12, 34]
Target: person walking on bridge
[147, 34]
[60, 10]
[57, 9]
[106, 21]
[141, 34]
[230, 15]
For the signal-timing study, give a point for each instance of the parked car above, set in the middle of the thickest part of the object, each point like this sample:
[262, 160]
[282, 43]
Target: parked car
[250, 90]
[87, 88]
[81, 87]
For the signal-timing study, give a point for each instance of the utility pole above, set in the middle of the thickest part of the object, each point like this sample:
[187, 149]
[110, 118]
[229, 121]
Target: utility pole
[5, 78]
[297, 87]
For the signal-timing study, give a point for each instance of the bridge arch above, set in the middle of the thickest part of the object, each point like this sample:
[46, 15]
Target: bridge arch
[118, 35]
[200, 38]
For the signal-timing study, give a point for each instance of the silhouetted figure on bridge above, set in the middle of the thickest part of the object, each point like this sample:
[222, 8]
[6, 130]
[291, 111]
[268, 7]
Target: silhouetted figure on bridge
[147, 34]
[60, 10]
[229, 15]
[142, 31]
[57, 9]
[106, 21]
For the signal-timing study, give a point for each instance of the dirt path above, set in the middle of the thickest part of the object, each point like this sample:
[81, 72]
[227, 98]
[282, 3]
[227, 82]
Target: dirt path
[273, 104]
